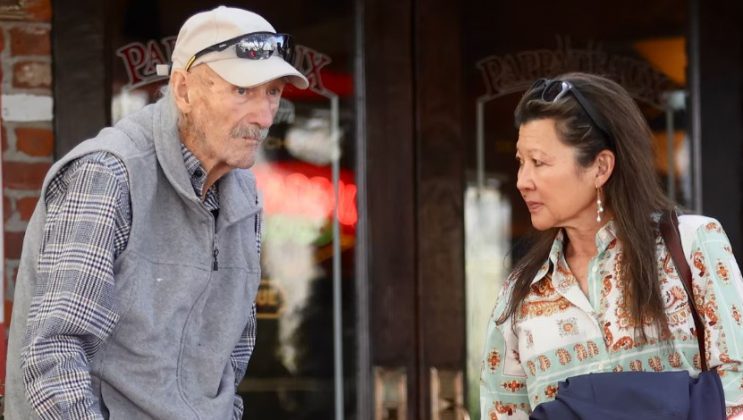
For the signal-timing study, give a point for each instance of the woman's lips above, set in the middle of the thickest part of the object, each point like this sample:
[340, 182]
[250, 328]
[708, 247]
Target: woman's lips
[533, 206]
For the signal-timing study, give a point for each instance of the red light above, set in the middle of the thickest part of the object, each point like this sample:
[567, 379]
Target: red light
[295, 193]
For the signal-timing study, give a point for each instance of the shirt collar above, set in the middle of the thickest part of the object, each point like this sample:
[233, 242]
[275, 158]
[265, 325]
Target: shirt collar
[604, 238]
[196, 172]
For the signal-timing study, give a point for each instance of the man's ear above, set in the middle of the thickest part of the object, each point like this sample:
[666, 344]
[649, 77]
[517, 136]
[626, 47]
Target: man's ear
[605, 161]
[179, 86]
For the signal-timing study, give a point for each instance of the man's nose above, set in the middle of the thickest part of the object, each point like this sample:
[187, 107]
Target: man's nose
[265, 111]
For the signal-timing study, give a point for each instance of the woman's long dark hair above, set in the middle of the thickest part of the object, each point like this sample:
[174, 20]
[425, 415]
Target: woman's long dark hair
[632, 192]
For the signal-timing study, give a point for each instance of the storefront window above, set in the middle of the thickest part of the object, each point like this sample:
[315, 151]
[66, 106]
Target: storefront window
[507, 45]
[305, 174]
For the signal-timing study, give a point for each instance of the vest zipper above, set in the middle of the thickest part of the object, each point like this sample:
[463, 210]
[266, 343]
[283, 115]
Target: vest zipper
[215, 249]
[215, 252]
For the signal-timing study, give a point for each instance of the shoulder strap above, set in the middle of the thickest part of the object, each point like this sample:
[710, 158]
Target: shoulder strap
[669, 231]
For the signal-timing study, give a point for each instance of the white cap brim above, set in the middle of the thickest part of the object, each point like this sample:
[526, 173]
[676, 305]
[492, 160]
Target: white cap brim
[247, 73]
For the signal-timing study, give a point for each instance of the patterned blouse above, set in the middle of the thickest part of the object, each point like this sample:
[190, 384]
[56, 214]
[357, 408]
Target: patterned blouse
[560, 332]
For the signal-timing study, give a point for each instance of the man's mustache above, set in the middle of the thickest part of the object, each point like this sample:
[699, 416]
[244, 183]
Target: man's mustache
[249, 131]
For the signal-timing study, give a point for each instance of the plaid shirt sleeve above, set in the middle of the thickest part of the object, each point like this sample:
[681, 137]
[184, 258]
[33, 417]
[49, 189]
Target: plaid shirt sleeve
[240, 357]
[73, 309]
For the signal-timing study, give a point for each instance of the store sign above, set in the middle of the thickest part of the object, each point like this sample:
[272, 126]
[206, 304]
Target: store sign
[309, 62]
[270, 301]
[511, 73]
[141, 60]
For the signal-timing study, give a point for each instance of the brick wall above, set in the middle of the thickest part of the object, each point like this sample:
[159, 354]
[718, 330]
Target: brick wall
[26, 122]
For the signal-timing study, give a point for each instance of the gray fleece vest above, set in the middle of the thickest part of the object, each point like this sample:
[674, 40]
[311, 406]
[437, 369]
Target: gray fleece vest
[168, 356]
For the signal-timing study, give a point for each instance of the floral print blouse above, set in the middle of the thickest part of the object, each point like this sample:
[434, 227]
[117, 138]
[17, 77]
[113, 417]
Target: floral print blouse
[560, 332]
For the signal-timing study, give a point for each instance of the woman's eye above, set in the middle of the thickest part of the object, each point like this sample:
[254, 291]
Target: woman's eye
[241, 91]
[537, 163]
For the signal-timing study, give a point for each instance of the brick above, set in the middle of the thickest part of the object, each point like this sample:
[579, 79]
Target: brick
[13, 245]
[25, 207]
[30, 41]
[37, 142]
[6, 208]
[9, 308]
[2, 39]
[11, 271]
[4, 135]
[32, 74]
[38, 10]
[24, 176]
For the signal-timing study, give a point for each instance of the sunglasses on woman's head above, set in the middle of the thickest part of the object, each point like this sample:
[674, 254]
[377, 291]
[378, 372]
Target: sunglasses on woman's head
[554, 90]
[253, 46]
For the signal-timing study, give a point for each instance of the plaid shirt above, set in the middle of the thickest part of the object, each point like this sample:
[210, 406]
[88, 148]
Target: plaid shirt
[73, 310]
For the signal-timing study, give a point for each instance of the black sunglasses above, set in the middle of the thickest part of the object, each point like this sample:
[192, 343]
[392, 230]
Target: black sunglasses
[553, 90]
[254, 46]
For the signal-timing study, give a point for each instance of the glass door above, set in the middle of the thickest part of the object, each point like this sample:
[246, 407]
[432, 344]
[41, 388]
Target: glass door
[507, 45]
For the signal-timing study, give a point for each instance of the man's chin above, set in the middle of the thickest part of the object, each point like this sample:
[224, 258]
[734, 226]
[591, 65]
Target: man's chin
[247, 157]
[245, 163]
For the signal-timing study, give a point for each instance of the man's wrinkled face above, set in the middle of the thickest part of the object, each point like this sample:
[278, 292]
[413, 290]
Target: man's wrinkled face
[229, 122]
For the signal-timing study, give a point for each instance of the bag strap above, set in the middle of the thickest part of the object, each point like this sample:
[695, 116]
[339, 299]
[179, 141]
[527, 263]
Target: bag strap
[670, 232]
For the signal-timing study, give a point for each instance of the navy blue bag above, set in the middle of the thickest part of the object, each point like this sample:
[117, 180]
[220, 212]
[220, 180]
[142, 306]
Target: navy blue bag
[644, 395]
[636, 396]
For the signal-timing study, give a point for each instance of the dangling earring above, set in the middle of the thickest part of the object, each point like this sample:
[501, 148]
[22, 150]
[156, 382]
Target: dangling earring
[599, 205]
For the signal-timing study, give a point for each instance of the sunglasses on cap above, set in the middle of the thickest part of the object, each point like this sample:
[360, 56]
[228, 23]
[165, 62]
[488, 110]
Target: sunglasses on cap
[553, 90]
[253, 46]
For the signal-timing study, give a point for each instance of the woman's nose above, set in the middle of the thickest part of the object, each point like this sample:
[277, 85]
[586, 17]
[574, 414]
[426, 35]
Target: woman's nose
[523, 179]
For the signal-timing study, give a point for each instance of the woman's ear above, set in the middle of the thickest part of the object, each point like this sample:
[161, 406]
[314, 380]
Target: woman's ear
[179, 87]
[604, 166]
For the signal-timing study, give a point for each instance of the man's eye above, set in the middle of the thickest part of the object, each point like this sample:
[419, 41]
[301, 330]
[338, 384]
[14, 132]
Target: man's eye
[275, 92]
[537, 163]
[241, 91]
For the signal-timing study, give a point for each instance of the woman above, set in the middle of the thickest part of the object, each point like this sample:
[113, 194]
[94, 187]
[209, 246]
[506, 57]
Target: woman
[597, 291]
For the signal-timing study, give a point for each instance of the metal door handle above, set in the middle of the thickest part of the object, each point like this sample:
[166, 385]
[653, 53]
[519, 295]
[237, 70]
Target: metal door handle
[390, 393]
[447, 395]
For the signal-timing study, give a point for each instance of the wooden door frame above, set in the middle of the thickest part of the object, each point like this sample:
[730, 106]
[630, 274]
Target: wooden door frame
[82, 98]
[715, 51]
[390, 190]
[414, 161]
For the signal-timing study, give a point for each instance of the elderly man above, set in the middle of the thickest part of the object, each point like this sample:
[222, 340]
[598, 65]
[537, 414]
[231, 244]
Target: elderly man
[140, 267]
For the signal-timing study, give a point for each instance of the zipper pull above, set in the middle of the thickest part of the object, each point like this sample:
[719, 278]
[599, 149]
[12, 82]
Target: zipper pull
[215, 264]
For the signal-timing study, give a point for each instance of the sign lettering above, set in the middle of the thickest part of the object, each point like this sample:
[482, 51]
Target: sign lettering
[140, 60]
[309, 62]
[510, 73]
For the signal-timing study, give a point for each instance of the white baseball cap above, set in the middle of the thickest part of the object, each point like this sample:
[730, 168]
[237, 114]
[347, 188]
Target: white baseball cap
[213, 28]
